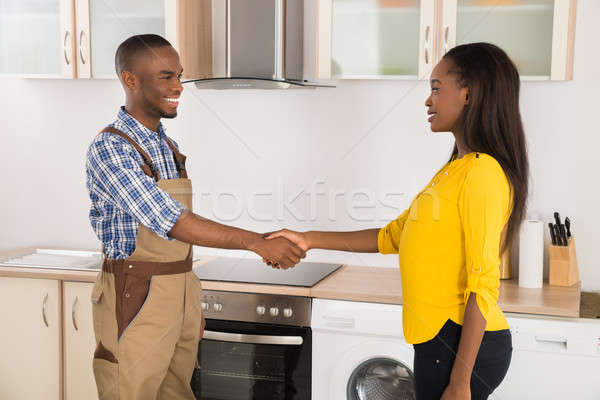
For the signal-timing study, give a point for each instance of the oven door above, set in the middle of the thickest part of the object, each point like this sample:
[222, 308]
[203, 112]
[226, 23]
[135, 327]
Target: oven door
[244, 361]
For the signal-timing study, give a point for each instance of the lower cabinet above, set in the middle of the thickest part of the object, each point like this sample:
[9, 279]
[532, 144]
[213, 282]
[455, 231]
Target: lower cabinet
[32, 312]
[78, 341]
[30, 339]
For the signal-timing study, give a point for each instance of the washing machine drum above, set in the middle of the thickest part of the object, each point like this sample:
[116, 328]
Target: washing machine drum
[381, 379]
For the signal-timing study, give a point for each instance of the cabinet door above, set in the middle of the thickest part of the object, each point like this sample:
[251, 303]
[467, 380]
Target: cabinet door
[538, 35]
[78, 342]
[375, 39]
[36, 38]
[111, 22]
[29, 339]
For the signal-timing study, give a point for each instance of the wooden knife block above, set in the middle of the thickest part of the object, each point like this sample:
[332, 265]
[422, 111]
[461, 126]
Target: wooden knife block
[563, 270]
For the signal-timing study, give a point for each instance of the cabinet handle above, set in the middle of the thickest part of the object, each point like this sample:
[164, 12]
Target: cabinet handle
[44, 309]
[66, 51]
[339, 322]
[73, 313]
[82, 43]
[552, 339]
[446, 32]
[427, 29]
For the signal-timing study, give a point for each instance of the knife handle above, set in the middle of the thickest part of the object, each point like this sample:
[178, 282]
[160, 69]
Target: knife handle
[568, 226]
[563, 234]
[556, 218]
[552, 234]
[557, 234]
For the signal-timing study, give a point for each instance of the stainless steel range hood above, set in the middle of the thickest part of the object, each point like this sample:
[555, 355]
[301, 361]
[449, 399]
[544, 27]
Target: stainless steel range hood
[262, 46]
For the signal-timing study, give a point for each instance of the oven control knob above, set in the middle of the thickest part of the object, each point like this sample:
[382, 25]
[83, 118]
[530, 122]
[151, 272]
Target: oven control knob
[274, 311]
[260, 310]
[217, 307]
[287, 312]
[205, 306]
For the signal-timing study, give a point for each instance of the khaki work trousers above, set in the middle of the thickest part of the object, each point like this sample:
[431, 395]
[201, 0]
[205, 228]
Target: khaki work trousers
[154, 356]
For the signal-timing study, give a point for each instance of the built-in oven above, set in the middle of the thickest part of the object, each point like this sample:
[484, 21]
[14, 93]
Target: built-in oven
[255, 347]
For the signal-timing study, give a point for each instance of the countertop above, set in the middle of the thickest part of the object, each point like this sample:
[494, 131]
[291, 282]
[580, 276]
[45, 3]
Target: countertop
[368, 284]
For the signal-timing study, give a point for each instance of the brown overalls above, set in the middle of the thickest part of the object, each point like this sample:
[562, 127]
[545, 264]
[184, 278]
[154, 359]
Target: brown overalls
[146, 308]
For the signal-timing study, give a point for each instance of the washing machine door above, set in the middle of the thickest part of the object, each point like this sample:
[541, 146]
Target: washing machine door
[374, 370]
[381, 379]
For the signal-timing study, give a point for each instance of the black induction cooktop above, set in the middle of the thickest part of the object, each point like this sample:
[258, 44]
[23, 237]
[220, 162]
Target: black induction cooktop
[304, 274]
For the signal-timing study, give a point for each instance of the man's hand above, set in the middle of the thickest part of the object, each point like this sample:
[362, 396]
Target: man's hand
[279, 252]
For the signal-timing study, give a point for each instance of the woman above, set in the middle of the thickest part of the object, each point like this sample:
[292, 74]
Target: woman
[450, 239]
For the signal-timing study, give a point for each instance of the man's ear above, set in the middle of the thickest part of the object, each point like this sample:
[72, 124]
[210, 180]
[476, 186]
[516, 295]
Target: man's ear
[129, 80]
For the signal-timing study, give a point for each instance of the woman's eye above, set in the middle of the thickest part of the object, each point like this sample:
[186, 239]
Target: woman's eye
[434, 89]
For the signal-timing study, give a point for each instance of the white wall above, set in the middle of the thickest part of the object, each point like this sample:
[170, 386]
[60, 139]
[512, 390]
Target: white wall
[361, 136]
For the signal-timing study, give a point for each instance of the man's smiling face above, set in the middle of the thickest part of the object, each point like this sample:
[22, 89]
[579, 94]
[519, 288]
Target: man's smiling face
[159, 74]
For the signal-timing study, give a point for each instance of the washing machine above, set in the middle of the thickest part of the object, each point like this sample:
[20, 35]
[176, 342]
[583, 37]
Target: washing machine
[359, 352]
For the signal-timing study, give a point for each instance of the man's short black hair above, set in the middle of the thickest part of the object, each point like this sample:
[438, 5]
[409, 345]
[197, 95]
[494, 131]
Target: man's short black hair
[133, 46]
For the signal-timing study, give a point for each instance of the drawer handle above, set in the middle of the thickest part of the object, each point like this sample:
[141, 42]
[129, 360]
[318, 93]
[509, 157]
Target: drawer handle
[339, 322]
[44, 310]
[446, 32]
[83, 45]
[427, 44]
[73, 313]
[552, 339]
[67, 50]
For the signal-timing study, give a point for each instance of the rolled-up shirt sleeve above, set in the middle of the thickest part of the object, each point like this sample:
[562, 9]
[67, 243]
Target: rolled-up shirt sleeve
[388, 238]
[484, 203]
[116, 166]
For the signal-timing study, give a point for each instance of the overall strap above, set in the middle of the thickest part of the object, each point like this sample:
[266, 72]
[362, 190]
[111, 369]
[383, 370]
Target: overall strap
[179, 159]
[148, 167]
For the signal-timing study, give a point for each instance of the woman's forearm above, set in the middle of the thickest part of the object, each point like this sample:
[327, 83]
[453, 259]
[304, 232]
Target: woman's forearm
[364, 241]
[470, 341]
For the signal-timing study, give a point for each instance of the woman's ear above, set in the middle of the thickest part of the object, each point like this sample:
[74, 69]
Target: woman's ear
[466, 95]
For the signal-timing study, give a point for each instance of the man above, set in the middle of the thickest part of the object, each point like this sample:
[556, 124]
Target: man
[146, 301]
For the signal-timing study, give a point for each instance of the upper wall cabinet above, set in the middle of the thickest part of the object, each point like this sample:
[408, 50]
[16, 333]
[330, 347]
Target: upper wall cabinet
[103, 24]
[36, 38]
[404, 39]
[79, 38]
[375, 39]
[538, 35]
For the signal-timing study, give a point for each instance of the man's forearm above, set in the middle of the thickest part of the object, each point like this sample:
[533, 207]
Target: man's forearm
[470, 341]
[193, 229]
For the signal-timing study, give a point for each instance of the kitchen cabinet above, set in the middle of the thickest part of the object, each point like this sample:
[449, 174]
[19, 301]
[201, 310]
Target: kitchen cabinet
[404, 39]
[78, 341]
[36, 38]
[375, 39]
[79, 38]
[538, 35]
[31, 361]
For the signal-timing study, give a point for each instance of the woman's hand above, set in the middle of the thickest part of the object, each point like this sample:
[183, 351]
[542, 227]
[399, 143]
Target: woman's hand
[298, 238]
[279, 252]
[457, 391]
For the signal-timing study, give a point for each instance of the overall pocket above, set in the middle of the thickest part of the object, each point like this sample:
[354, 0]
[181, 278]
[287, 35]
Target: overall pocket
[131, 300]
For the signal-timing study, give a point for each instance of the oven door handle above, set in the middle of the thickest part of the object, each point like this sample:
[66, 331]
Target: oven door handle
[253, 339]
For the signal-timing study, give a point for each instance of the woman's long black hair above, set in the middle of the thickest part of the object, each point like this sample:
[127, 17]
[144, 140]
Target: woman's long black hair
[491, 122]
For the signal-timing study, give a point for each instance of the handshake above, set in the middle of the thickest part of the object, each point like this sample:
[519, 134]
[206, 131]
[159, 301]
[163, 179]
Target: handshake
[283, 248]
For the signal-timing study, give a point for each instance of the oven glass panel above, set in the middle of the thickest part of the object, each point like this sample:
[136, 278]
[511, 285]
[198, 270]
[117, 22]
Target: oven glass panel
[247, 371]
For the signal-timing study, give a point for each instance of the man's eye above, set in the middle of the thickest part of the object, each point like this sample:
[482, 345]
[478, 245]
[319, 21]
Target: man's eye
[434, 89]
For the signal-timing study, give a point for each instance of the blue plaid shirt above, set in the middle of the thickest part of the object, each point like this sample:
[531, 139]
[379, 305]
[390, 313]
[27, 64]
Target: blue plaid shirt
[122, 195]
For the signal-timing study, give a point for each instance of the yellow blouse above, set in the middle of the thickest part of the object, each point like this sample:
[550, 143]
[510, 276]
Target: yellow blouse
[448, 242]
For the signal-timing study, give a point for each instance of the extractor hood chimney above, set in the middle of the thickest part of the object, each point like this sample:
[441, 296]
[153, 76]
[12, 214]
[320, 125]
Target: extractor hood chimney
[263, 45]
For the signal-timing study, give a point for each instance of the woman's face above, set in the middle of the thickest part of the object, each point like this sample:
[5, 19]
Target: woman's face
[447, 100]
